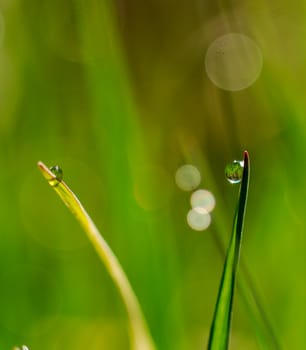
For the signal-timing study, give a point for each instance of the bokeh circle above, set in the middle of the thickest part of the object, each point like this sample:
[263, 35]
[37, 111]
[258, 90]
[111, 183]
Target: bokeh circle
[233, 62]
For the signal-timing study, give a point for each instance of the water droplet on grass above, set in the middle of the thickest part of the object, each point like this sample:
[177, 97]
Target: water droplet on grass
[57, 171]
[233, 171]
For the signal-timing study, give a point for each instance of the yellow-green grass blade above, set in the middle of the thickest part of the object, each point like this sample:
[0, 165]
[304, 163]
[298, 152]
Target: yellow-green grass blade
[140, 336]
[221, 325]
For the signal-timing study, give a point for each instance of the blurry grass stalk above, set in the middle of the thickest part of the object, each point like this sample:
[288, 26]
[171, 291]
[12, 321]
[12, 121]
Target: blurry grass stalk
[256, 309]
[140, 336]
[221, 325]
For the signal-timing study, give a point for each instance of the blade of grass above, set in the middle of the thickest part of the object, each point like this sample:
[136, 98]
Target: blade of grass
[247, 287]
[220, 329]
[140, 336]
[255, 305]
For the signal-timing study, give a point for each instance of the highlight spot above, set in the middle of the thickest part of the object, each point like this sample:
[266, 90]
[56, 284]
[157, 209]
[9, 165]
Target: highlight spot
[233, 62]
[203, 199]
[187, 177]
[198, 219]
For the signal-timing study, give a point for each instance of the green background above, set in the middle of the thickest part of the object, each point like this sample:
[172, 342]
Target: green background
[116, 93]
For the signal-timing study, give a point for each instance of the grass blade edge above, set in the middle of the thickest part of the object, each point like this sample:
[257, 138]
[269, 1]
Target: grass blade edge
[140, 336]
[220, 328]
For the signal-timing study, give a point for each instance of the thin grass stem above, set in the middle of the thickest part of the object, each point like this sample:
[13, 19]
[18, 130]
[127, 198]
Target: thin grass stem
[140, 336]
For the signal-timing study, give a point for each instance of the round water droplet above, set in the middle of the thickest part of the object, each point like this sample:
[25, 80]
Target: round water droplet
[187, 177]
[57, 171]
[198, 219]
[203, 199]
[233, 62]
[233, 171]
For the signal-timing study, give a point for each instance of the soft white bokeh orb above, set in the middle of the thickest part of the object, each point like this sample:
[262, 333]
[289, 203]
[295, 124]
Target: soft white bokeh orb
[198, 219]
[187, 177]
[233, 62]
[203, 199]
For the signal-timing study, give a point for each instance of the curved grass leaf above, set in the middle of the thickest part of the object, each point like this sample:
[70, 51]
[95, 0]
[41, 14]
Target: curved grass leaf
[140, 336]
[220, 328]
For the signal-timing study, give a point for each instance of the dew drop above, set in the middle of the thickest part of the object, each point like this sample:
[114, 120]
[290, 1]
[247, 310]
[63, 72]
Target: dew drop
[57, 171]
[233, 171]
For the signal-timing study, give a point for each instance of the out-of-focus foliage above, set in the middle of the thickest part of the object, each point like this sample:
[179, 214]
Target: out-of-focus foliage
[117, 94]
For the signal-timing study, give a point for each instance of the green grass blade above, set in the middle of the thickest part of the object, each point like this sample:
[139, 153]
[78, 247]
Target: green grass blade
[140, 336]
[220, 329]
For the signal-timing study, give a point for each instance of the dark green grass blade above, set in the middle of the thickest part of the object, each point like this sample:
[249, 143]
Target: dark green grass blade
[220, 329]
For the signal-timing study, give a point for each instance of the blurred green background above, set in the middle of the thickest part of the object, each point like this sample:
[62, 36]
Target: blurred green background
[116, 93]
